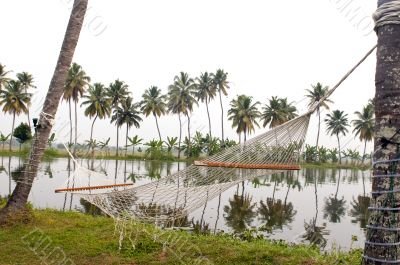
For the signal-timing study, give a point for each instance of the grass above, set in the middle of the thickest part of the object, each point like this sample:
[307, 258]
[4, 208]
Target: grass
[85, 239]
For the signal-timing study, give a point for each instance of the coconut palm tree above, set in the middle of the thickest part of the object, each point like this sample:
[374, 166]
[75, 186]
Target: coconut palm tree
[364, 126]
[26, 81]
[3, 139]
[220, 80]
[154, 103]
[315, 94]
[134, 141]
[98, 104]
[337, 123]
[277, 111]
[3, 76]
[117, 92]
[244, 114]
[181, 98]
[206, 91]
[75, 85]
[127, 113]
[14, 101]
[19, 197]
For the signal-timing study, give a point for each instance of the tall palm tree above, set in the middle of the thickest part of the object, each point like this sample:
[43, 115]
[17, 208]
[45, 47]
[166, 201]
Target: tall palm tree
[127, 113]
[75, 85]
[19, 197]
[3, 76]
[277, 111]
[220, 80]
[117, 92]
[337, 123]
[386, 118]
[98, 104]
[244, 114]
[26, 81]
[14, 101]
[154, 103]
[364, 126]
[206, 91]
[315, 94]
[181, 98]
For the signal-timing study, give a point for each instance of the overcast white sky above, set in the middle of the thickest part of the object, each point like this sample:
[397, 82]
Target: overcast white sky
[267, 47]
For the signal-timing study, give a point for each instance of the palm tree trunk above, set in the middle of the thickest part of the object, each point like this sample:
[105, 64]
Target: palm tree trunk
[189, 143]
[180, 135]
[29, 119]
[91, 135]
[117, 140]
[363, 157]
[387, 83]
[340, 153]
[12, 132]
[158, 128]
[209, 120]
[76, 127]
[222, 119]
[21, 192]
[126, 141]
[319, 126]
[70, 121]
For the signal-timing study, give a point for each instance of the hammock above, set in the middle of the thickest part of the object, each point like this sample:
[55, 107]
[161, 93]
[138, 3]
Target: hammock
[175, 196]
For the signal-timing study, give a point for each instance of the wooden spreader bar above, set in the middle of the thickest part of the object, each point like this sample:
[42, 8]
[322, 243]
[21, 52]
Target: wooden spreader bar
[93, 187]
[247, 166]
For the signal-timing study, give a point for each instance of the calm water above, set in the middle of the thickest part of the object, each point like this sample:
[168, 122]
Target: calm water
[324, 206]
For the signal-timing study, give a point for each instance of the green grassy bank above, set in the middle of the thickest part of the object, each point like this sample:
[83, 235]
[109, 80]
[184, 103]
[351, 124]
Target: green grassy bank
[85, 239]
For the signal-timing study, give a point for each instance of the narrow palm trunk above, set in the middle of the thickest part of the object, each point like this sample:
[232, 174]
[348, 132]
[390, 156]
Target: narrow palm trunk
[363, 157]
[340, 153]
[383, 222]
[222, 119]
[158, 128]
[21, 192]
[91, 135]
[70, 121]
[209, 119]
[29, 119]
[189, 143]
[319, 127]
[76, 127]
[180, 135]
[12, 132]
[117, 141]
[126, 140]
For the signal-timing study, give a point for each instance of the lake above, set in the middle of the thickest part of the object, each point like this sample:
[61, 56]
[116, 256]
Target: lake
[324, 206]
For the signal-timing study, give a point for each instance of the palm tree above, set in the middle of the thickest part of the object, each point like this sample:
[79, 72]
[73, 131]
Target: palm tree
[127, 114]
[206, 91]
[134, 141]
[277, 112]
[15, 101]
[19, 197]
[244, 114]
[181, 98]
[315, 94]
[26, 81]
[75, 86]
[3, 76]
[220, 80]
[364, 126]
[154, 103]
[3, 139]
[98, 104]
[117, 92]
[337, 124]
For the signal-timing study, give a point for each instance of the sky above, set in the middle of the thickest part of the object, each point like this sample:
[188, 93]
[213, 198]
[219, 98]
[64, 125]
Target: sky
[268, 48]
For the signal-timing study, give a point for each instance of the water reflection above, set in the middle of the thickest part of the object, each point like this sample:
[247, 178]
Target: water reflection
[334, 207]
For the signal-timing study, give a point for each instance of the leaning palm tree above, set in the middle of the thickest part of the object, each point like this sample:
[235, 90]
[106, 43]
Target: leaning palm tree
[206, 91]
[364, 126]
[26, 81]
[19, 197]
[154, 103]
[277, 111]
[181, 98]
[127, 113]
[75, 85]
[117, 92]
[3, 76]
[98, 104]
[244, 114]
[315, 94]
[337, 124]
[14, 101]
[220, 81]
